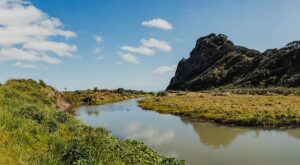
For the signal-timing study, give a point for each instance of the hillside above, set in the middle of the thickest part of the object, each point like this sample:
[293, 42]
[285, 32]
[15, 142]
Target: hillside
[217, 62]
[33, 131]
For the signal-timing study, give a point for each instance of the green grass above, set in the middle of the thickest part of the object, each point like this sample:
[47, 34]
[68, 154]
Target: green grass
[256, 91]
[99, 97]
[268, 111]
[34, 132]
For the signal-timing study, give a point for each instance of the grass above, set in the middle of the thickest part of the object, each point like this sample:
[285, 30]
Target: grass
[33, 131]
[257, 91]
[98, 97]
[268, 111]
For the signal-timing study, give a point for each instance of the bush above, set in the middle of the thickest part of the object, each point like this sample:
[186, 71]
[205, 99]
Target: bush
[87, 100]
[162, 93]
[77, 153]
[31, 112]
[51, 125]
[42, 83]
[120, 90]
[61, 117]
[95, 89]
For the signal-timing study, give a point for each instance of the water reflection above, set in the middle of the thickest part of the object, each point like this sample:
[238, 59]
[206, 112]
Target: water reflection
[198, 143]
[151, 135]
[93, 113]
[217, 137]
[295, 133]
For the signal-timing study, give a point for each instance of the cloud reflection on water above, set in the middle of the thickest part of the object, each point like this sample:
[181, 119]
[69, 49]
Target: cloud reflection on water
[151, 135]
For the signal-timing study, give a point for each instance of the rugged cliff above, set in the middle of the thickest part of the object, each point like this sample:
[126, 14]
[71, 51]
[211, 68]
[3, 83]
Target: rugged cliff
[216, 61]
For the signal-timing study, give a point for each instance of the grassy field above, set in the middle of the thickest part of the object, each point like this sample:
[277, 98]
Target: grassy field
[268, 111]
[256, 91]
[34, 132]
[99, 97]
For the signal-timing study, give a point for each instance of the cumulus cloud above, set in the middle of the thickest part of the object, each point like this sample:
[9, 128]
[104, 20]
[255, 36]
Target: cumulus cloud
[28, 34]
[60, 48]
[100, 58]
[164, 69]
[158, 23]
[97, 50]
[129, 58]
[139, 50]
[25, 66]
[98, 38]
[119, 62]
[158, 44]
[148, 47]
[12, 54]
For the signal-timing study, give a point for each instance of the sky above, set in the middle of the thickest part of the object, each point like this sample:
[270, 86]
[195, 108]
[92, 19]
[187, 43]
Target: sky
[136, 44]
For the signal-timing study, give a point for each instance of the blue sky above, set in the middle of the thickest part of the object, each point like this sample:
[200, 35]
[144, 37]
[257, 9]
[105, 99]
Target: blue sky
[82, 62]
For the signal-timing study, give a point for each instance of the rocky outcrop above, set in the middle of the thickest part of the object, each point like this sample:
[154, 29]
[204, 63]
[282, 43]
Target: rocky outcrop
[216, 62]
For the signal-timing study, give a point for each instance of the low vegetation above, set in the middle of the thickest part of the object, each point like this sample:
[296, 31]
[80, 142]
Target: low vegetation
[98, 96]
[257, 91]
[269, 111]
[33, 131]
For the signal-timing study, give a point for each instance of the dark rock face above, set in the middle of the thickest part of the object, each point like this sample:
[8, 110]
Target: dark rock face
[216, 61]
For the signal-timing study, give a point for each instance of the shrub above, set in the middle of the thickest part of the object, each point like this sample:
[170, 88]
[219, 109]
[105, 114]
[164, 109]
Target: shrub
[87, 100]
[95, 89]
[42, 83]
[31, 112]
[61, 117]
[120, 90]
[51, 125]
[181, 94]
[162, 93]
[77, 153]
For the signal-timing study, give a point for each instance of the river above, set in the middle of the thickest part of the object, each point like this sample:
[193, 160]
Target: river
[196, 142]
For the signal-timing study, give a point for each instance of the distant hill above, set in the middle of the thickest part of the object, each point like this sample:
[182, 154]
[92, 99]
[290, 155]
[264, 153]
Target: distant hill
[216, 62]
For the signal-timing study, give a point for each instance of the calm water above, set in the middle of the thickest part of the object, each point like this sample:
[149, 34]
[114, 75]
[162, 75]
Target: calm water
[197, 143]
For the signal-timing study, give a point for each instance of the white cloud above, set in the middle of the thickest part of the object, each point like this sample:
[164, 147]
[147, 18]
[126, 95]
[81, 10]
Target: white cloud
[158, 23]
[140, 50]
[119, 62]
[98, 38]
[99, 53]
[159, 44]
[148, 47]
[97, 50]
[28, 34]
[164, 69]
[129, 58]
[59, 48]
[100, 58]
[25, 66]
[13, 54]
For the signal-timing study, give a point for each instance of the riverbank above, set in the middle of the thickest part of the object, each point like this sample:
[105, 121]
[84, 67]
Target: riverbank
[34, 131]
[69, 100]
[266, 111]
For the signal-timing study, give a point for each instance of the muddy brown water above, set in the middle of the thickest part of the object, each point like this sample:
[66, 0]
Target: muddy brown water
[196, 142]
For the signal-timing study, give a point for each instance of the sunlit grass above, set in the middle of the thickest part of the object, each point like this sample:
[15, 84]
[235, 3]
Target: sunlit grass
[34, 132]
[248, 110]
[99, 97]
